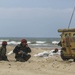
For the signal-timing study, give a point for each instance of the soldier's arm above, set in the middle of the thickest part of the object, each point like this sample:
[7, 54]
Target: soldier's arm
[28, 49]
[16, 49]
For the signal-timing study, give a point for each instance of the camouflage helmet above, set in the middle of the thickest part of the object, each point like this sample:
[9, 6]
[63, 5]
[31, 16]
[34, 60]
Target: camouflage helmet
[56, 49]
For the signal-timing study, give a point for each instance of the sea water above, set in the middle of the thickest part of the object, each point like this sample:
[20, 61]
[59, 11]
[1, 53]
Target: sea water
[32, 42]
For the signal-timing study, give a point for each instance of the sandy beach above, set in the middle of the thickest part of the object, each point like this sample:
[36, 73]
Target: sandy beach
[53, 65]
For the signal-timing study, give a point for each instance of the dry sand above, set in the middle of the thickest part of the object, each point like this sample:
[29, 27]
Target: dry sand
[37, 65]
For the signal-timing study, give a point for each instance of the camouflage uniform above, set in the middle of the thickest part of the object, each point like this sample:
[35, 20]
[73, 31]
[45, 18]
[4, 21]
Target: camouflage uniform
[3, 53]
[24, 56]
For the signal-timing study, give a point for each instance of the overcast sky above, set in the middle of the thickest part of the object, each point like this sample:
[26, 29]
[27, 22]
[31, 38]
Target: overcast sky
[35, 18]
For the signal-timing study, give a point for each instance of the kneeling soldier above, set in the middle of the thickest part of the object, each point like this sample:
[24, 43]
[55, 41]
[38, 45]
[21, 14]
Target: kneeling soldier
[3, 51]
[21, 51]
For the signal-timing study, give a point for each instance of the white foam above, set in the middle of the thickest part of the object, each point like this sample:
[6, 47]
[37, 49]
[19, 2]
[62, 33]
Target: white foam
[40, 42]
[55, 42]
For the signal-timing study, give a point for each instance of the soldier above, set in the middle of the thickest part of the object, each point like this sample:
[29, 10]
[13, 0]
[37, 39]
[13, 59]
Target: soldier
[3, 51]
[21, 51]
[56, 50]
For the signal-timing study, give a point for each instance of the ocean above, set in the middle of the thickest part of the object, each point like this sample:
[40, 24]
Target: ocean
[32, 42]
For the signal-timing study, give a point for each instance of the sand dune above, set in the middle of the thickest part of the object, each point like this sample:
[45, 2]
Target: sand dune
[37, 65]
